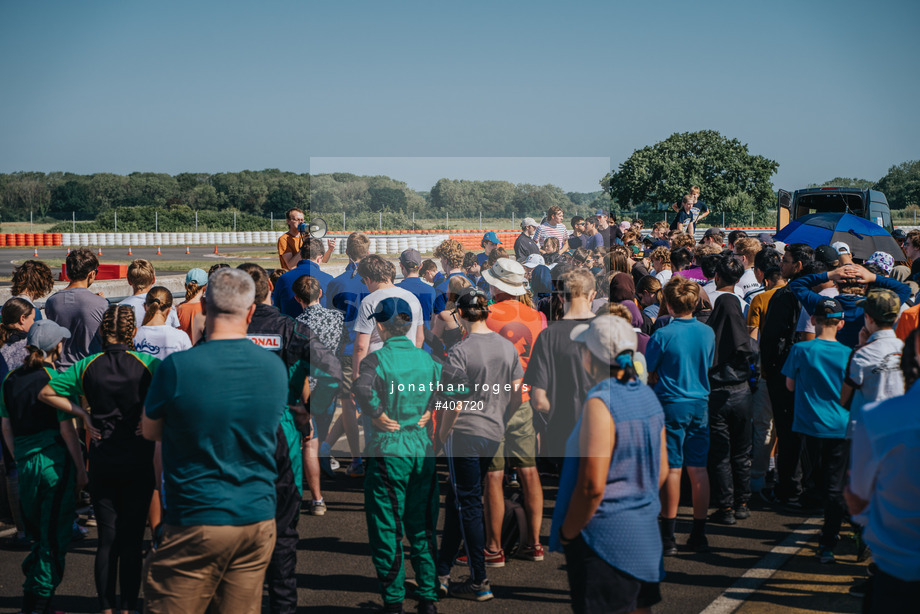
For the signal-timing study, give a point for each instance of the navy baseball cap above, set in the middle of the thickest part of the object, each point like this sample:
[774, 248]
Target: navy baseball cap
[389, 307]
[829, 308]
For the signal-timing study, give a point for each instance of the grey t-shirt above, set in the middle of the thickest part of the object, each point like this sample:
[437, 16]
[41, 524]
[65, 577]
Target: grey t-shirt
[80, 311]
[364, 323]
[491, 364]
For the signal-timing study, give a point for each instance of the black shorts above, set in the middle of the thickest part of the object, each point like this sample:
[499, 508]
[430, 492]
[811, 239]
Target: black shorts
[597, 586]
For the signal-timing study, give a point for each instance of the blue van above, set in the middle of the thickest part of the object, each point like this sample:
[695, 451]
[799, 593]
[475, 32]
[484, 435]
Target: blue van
[869, 204]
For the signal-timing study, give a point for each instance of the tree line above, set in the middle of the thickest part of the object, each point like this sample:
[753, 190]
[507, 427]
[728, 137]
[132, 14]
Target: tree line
[733, 180]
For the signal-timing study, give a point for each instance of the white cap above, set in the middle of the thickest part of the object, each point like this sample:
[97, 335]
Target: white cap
[534, 260]
[841, 247]
[606, 337]
[528, 221]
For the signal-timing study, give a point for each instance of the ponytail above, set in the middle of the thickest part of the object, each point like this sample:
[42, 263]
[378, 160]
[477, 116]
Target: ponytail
[35, 358]
[624, 361]
[158, 299]
[12, 312]
[191, 289]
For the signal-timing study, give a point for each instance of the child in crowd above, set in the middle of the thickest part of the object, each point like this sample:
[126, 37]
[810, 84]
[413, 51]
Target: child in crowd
[141, 276]
[873, 372]
[814, 370]
[471, 439]
[679, 356]
[196, 280]
[661, 262]
[154, 336]
[50, 463]
[429, 272]
[400, 488]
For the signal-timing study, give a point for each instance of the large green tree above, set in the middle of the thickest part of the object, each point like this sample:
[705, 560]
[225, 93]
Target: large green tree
[902, 184]
[664, 172]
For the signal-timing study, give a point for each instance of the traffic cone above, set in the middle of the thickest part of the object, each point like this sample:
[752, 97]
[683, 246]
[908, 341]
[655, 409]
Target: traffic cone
[100, 252]
[68, 251]
[159, 253]
[35, 254]
[187, 252]
[215, 249]
[129, 251]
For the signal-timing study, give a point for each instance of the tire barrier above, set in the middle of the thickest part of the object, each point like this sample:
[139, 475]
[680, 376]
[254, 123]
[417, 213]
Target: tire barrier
[31, 239]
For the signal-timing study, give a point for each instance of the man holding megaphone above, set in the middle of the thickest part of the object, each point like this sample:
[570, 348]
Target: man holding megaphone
[289, 243]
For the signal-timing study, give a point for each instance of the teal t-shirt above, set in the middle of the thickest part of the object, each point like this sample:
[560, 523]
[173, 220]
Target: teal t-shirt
[681, 353]
[818, 368]
[221, 404]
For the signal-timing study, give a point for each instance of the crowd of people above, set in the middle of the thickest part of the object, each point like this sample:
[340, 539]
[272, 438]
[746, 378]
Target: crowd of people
[607, 356]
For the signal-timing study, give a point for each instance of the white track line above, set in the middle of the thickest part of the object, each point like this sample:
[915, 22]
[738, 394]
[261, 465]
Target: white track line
[735, 595]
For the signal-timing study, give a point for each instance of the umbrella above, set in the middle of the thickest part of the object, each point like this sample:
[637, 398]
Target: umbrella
[863, 237]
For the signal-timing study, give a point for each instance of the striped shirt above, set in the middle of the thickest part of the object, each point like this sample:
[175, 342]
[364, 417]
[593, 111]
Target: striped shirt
[545, 230]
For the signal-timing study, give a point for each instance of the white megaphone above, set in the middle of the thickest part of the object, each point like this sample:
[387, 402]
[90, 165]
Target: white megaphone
[316, 228]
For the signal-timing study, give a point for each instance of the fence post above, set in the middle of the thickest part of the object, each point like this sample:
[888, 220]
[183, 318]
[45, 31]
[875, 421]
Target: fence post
[116, 220]
[413, 221]
[723, 220]
[447, 221]
[752, 218]
[196, 220]
[74, 215]
[30, 222]
[380, 222]
[156, 221]
[343, 221]
[480, 220]
[271, 217]
[234, 220]
[512, 219]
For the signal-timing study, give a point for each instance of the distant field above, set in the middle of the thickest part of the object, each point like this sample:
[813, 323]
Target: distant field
[24, 227]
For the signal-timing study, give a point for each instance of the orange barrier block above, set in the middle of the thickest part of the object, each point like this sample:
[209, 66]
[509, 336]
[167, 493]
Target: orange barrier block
[106, 271]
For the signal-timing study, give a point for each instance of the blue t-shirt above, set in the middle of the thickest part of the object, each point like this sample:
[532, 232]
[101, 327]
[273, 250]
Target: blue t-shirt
[818, 368]
[221, 404]
[592, 243]
[283, 296]
[624, 529]
[440, 289]
[681, 353]
[345, 294]
[423, 292]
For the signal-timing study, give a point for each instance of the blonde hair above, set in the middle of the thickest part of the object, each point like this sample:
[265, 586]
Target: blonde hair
[682, 294]
[141, 273]
[616, 309]
[662, 253]
[357, 246]
[452, 251]
[579, 282]
[748, 247]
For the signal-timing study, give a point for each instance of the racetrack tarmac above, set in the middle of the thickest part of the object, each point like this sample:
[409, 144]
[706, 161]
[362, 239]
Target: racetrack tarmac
[335, 574]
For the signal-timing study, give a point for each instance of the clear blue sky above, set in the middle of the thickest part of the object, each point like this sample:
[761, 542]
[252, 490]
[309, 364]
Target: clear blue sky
[825, 88]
